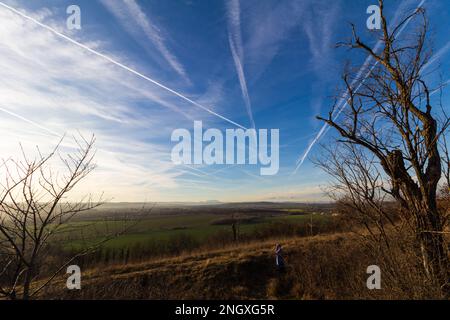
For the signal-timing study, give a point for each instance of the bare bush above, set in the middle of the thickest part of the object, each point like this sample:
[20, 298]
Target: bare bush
[34, 208]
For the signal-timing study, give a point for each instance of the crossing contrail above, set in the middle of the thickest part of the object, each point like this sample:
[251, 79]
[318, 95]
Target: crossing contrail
[101, 55]
[343, 100]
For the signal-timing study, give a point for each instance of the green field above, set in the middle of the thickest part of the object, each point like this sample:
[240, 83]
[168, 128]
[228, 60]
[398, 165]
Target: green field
[163, 228]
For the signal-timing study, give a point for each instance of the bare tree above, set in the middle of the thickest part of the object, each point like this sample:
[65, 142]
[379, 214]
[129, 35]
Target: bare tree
[392, 132]
[34, 208]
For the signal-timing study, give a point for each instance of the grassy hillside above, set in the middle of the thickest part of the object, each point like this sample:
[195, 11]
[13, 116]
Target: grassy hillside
[320, 267]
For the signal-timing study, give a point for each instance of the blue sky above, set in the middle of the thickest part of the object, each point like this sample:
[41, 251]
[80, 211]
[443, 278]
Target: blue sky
[268, 64]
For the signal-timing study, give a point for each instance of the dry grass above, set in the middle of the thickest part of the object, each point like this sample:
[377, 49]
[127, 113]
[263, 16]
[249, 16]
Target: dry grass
[319, 267]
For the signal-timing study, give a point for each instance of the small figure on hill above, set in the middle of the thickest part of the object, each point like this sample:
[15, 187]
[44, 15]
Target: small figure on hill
[279, 260]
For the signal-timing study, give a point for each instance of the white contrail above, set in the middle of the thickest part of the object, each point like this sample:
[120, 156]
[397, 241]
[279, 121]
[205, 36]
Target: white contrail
[120, 65]
[437, 55]
[441, 86]
[343, 100]
[235, 42]
[242, 81]
[336, 113]
[31, 122]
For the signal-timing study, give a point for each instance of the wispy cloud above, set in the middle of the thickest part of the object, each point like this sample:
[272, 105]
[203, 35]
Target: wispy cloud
[48, 87]
[318, 27]
[116, 62]
[51, 84]
[308, 193]
[237, 51]
[136, 22]
[268, 25]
